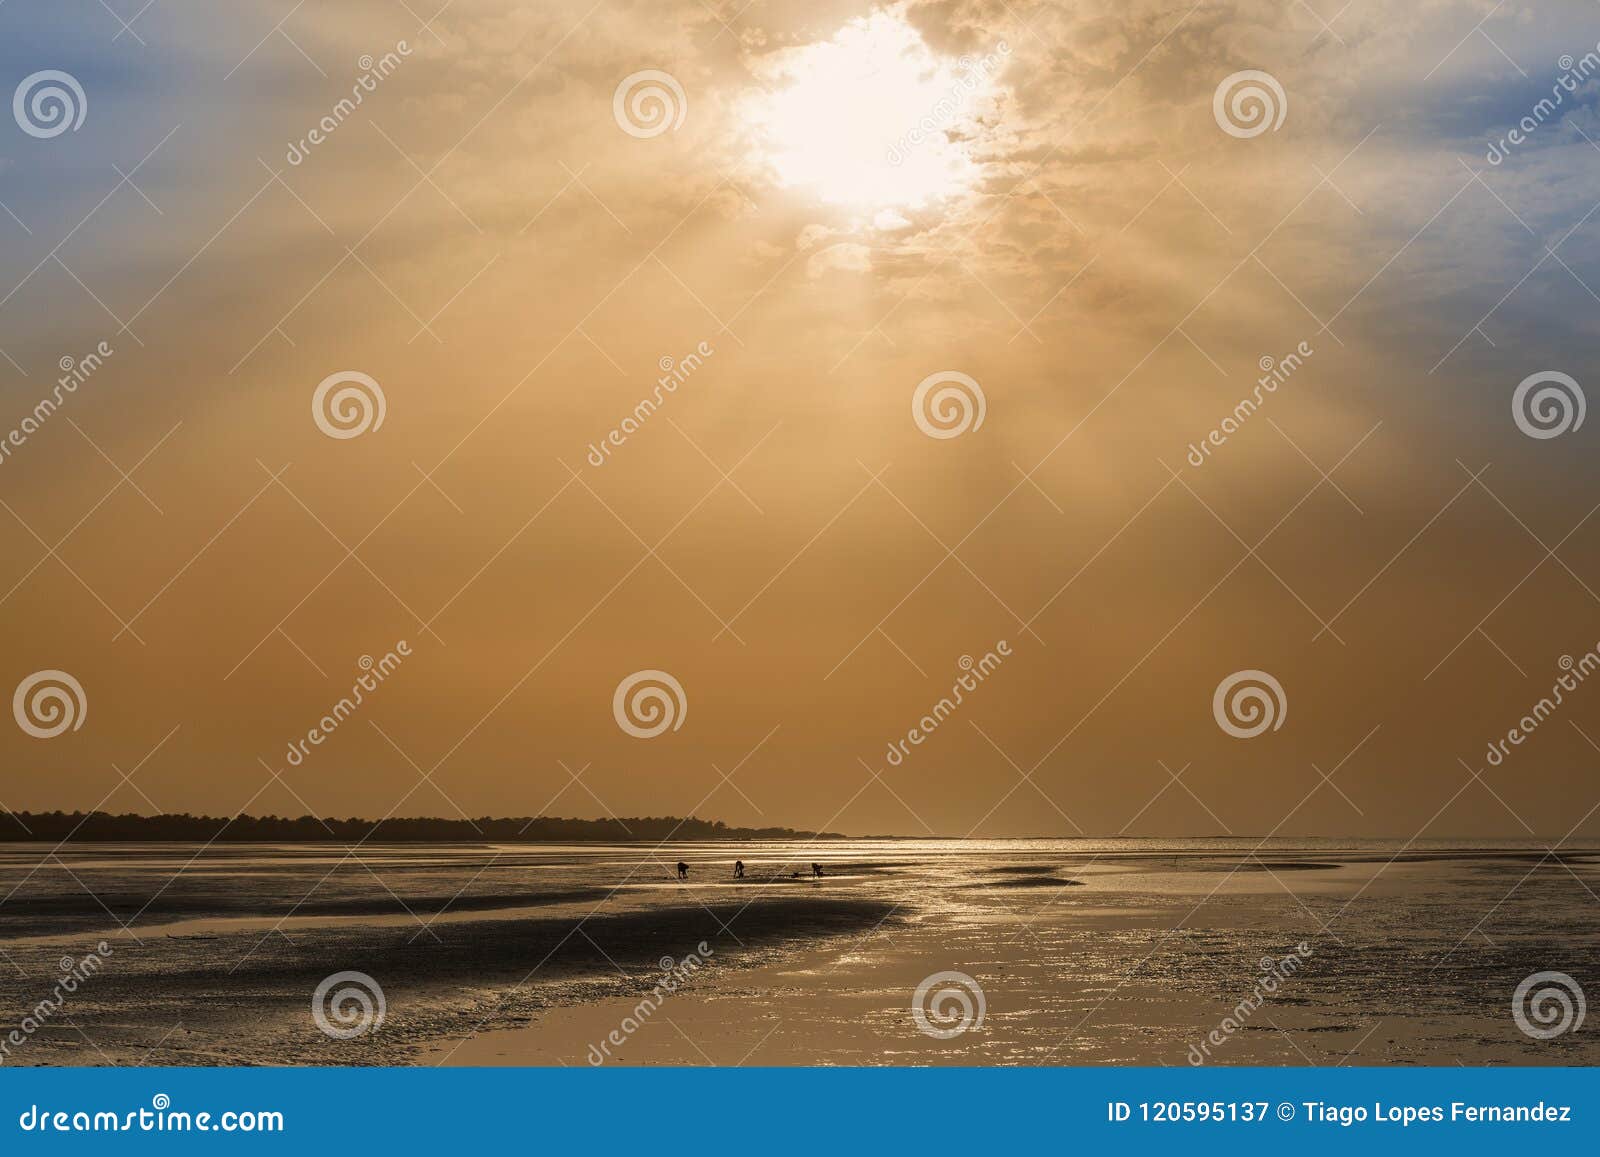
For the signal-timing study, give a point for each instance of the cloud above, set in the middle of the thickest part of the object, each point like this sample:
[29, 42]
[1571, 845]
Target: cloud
[484, 240]
[846, 256]
[811, 236]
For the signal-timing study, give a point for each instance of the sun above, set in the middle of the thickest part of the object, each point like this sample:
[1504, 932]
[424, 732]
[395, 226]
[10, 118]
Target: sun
[873, 118]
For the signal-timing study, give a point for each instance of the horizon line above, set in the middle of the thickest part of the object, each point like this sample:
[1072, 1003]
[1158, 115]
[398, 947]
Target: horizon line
[768, 831]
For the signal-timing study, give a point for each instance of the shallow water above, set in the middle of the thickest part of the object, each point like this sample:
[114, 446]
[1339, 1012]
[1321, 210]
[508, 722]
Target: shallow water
[1108, 951]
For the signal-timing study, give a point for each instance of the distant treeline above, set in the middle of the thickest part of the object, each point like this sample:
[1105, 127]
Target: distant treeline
[57, 826]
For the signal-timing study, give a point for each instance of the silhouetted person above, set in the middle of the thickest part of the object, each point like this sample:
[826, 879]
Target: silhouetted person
[816, 870]
[683, 870]
[738, 869]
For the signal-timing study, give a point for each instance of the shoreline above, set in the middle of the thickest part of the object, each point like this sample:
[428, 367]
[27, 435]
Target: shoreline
[1085, 955]
[1454, 843]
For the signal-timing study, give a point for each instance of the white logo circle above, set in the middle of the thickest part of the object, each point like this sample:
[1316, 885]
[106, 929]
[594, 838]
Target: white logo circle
[648, 702]
[48, 103]
[348, 1004]
[648, 103]
[47, 703]
[348, 404]
[1249, 702]
[1548, 404]
[948, 404]
[947, 1004]
[1547, 1004]
[1257, 103]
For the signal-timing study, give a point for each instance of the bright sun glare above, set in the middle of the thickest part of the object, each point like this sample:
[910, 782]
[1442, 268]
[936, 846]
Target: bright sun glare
[872, 118]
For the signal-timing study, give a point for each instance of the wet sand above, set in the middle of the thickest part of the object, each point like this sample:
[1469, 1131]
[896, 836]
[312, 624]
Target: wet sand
[535, 956]
[240, 996]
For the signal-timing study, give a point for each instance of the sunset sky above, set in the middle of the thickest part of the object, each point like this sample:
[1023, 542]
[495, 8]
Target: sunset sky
[1077, 233]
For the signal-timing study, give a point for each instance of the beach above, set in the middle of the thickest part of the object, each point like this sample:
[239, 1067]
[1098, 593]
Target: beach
[1078, 952]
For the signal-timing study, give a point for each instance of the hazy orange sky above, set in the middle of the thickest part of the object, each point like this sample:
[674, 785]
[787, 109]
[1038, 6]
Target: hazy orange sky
[1071, 227]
